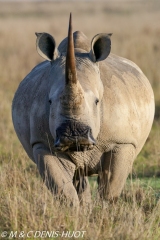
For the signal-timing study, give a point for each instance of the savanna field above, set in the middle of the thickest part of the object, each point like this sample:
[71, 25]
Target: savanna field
[25, 203]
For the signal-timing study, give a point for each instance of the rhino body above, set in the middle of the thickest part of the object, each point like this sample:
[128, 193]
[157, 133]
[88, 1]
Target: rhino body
[90, 115]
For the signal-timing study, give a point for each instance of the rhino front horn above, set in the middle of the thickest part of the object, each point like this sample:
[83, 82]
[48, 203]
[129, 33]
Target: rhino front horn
[70, 73]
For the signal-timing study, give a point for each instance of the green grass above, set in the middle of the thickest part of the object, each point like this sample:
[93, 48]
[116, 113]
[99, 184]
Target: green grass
[147, 163]
[151, 182]
[145, 182]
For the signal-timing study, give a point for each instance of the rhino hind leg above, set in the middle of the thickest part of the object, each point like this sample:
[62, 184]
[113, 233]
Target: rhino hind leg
[116, 165]
[57, 178]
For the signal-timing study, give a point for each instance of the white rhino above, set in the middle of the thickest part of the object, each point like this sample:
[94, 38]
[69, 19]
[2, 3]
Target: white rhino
[83, 111]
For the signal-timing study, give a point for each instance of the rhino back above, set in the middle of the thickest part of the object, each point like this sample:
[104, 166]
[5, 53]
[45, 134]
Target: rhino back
[30, 93]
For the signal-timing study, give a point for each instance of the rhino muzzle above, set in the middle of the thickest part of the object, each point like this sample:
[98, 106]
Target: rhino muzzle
[74, 136]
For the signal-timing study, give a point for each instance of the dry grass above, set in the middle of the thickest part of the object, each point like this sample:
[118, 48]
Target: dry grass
[25, 203]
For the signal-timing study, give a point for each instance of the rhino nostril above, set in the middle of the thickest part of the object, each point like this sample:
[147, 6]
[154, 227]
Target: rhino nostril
[91, 139]
[57, 143]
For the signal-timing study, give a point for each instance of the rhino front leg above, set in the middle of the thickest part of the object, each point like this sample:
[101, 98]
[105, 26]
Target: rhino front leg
[116, 165]
[82, 186]
[56, 174]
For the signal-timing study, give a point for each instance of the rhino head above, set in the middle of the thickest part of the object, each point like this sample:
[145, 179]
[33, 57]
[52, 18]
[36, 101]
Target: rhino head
[75, 90]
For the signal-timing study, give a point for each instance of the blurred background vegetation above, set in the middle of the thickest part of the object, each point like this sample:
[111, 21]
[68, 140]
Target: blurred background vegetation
[25, 203]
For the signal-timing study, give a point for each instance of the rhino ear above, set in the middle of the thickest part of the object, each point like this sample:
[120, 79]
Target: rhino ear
[46, 46]
[100, 47]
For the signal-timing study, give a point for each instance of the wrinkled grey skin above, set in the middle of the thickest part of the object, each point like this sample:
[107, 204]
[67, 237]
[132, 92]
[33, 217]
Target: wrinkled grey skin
[112, 96]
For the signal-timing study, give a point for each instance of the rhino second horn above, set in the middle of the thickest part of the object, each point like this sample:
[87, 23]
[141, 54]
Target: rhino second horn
[71, 76]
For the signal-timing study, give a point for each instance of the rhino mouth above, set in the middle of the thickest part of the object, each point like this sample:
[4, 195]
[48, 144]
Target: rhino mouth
[73, 136]
[72, 144]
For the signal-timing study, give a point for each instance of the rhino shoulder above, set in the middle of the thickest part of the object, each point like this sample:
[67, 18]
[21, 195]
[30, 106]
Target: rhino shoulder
[40, 66]
[122, 63]
[28, 86]
[124, 71]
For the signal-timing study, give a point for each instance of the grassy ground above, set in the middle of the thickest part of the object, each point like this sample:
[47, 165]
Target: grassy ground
[25, 203]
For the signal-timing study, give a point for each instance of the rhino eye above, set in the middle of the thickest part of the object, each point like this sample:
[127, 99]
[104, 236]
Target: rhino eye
[50, 101]
[97, 101]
